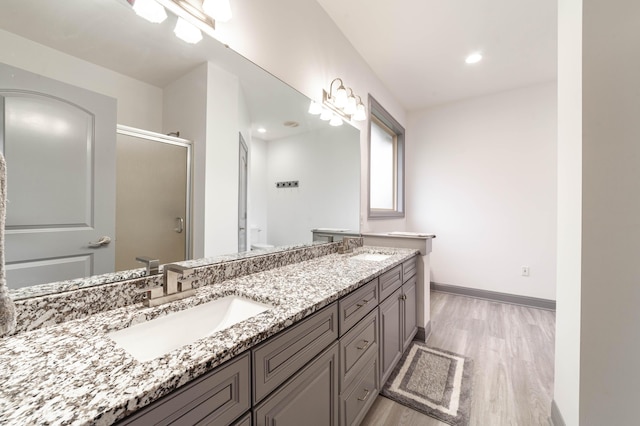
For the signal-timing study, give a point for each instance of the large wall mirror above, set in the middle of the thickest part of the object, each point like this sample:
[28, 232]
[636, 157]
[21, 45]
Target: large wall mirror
[246, 131]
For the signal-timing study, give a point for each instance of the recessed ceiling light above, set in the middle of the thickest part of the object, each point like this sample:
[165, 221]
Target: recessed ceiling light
[473, 58]
[262, 130]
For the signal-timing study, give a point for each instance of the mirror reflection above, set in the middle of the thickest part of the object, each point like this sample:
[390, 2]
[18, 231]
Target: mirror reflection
[247, 132]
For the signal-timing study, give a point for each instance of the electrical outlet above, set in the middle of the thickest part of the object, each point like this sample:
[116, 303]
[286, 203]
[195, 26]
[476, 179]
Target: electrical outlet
[525, 271]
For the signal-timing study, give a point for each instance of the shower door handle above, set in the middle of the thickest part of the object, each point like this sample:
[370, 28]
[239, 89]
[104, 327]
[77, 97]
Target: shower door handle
[180, 227]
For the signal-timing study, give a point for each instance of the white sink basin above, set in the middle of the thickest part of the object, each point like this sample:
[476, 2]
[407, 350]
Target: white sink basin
[151, 339]
[372, 257]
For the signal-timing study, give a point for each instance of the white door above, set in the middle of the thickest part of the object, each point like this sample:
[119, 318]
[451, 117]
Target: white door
[59, 144]
[152, 197]
[242, 196]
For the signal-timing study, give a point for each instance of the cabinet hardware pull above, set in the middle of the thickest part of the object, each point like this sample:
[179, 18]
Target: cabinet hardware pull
[364, 302]
[366, 395]
[365, 346]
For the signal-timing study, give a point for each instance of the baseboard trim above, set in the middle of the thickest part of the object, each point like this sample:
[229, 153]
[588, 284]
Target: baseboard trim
[423, 333]
[556, 417]
[515, 299]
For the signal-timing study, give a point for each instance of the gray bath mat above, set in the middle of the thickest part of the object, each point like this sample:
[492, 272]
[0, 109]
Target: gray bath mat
[433, 381]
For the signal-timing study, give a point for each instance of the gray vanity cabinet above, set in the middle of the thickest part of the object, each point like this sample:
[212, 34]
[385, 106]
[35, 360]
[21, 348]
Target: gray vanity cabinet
[390, 333]
[409, 306]
[309, 398]
[277, 359]
[398, 321]
[219, 397]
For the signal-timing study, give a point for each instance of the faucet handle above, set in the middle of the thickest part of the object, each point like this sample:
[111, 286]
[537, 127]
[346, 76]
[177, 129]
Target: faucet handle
[181, 270]
[153, 265]
[175, 278]
[152, 292]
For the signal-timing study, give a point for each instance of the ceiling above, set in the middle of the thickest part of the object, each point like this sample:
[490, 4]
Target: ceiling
[417, 47]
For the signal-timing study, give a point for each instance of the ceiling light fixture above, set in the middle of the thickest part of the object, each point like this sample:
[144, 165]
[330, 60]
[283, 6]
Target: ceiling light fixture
[343, 101]
[149, 10]
[262, 130]
[473, 58]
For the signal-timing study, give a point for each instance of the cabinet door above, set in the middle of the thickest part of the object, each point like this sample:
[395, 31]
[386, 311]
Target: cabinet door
[309, 398]
[219, 398]
[390, 334]
[409, 300]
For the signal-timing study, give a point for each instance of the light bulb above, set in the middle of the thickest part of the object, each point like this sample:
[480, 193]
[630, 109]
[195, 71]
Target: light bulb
[220, 10]
[326, 115]
[361, 113]
[335, 121]
[187, 31]
[315, 108]
[150, 10]
[341, 97]
[350, 107]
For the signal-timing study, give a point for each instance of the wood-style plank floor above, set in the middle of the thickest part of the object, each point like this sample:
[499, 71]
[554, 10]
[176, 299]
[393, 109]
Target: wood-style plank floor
[513, 351]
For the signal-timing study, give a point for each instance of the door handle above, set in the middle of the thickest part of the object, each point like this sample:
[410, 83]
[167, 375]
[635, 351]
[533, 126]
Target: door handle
[180, 227]
[102, 241]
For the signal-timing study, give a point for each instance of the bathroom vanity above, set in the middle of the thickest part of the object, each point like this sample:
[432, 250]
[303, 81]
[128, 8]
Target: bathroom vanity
[337, 326]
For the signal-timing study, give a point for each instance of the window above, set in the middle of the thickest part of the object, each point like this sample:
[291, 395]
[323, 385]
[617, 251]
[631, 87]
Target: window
[386, 164]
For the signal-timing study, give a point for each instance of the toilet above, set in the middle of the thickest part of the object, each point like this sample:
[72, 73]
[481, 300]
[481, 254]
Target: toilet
[255, 238]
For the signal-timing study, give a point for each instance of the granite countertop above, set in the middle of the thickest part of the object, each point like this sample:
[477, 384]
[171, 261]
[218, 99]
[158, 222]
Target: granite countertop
[73, 373]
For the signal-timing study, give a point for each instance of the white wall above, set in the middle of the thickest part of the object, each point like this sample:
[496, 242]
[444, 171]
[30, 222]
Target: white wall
[221, 174]
[323, 162]
[568, 293]
[207, 106]
[139, 103]
[258, 190]
[481, 175]
[297, 42]
[185, 106]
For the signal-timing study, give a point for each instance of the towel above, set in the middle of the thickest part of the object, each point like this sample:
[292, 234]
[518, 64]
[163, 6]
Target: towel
[7, 308]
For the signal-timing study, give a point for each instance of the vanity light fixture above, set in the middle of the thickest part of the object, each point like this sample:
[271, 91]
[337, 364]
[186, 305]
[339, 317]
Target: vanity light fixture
[342, 101]
[326, 114]
[315, 108]
[220, 10]
[192, 11]
[149, 10]
[187, 32]
[335, 121]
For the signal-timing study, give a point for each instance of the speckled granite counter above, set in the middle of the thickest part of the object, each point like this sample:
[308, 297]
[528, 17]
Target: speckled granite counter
[73, 373]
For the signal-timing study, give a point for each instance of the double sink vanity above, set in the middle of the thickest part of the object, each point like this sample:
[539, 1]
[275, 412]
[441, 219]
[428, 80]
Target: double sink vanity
[309, 342]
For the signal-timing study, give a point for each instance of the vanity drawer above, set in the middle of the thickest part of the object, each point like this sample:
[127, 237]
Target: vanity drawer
[357, 305]
[219, 397]
[356, 400]
[283, 355]
[409, 268]
[356, 346]
[390, 281]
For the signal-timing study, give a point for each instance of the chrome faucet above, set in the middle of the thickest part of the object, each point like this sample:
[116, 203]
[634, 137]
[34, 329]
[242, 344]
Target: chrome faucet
[347, 246]
[152, 265]
[176, 285]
